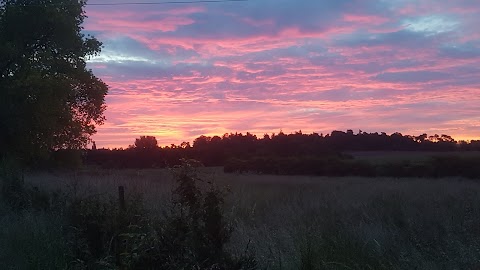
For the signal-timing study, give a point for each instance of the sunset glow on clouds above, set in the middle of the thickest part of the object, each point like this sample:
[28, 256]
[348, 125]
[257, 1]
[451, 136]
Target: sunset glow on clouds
[179, 71]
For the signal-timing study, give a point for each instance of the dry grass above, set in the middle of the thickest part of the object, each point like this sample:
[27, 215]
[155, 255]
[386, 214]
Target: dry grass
[310, 222]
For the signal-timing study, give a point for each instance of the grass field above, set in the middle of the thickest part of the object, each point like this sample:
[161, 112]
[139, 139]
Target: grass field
[288, 222]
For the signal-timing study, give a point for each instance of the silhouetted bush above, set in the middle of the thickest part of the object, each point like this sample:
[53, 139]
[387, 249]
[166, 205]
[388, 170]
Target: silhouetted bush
[95, 229]
[194, 233]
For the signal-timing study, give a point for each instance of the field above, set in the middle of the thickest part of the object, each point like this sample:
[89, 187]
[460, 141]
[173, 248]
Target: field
[287, 222]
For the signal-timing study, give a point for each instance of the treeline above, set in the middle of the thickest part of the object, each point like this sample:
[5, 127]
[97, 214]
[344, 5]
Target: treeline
[217, 151]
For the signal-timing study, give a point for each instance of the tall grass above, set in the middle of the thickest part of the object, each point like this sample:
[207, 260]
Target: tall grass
[32, 240]
[325, 223]
[289, 222]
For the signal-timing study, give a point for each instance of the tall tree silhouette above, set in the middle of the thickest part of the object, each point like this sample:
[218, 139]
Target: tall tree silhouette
[48, 98]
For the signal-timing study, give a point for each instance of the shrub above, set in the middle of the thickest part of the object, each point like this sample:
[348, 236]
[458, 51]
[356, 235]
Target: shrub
[194, 233]
[96, 228]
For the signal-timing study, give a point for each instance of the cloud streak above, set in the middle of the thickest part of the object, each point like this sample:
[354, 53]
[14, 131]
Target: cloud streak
[180, 71]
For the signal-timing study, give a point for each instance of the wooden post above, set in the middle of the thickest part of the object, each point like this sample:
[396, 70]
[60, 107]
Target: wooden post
[121, 197]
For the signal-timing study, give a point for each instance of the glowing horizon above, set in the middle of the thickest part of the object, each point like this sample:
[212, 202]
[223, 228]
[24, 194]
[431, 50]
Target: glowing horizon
[180, 71]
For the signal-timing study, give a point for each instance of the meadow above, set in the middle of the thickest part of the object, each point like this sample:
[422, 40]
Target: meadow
[285, 222]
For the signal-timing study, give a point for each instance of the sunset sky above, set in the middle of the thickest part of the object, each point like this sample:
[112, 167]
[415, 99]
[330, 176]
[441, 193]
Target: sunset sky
[178, 71]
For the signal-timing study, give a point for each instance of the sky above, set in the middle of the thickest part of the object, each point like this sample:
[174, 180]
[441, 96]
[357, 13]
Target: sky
[178, 71]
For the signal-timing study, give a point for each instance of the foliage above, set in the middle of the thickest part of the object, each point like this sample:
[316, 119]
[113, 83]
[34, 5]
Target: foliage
[195, 233]
[287, 222]
[48, 99]
[13, 188]
[217, 151]
[19, 195]
[95, 230]
[32, 240]
[146, 143]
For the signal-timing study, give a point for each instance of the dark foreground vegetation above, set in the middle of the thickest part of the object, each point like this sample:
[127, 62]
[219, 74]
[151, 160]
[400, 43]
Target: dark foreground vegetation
[101, 232]
[409, 209]
[74, 220]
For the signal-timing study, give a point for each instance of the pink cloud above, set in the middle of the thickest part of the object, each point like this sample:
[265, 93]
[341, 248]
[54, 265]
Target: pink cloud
[204, 70]
[126, 27]
[365, 19]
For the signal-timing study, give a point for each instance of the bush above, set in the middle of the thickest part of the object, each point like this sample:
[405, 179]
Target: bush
[193, 235]
[96, 229]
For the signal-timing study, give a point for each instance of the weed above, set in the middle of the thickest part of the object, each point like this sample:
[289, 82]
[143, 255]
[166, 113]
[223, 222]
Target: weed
[193, 235]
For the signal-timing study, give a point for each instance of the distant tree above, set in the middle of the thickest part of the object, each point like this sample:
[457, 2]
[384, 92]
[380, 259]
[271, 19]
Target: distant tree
[421, 138]
[185, 145]
[48, 98]
[447, 138]
[201, 141]
[287, 149]
[434, 138]
[146, 143]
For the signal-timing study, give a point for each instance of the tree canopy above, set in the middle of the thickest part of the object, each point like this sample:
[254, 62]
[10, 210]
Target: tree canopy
[146, 143]
[48, 97]
[219, 150]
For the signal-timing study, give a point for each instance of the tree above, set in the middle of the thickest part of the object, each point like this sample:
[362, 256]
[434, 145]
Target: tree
[146, 143]
[48, 98]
